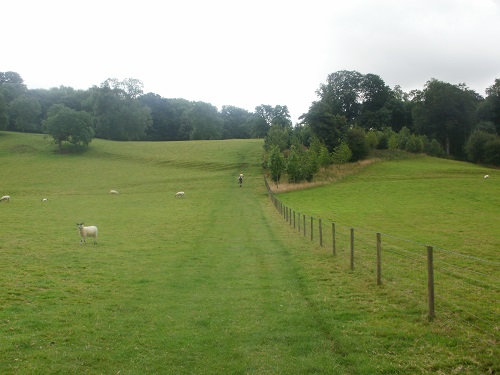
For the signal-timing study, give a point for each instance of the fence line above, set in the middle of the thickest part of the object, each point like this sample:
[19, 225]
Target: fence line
[447, 283]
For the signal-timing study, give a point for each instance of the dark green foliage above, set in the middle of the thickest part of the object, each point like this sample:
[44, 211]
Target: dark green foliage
[341, 154]
[277, 136]
[433, 148]
[311, 165]
[492, 152]
[276, 163]
[476, 147]
[236, 122]
[4, 117]
[302, 134]
[400, 112]
[383, 138]
[372, 139]
[412, 121]
[67, 125]
[358, 144]
[399, 140]
[277, 115]
[324, 158]
[492, 105]
[294, 164]
[117, 114]
[446, 112]
[171, 119]
[24, 112]
[486, 126]
[205, 122]
[327, 127]
[415, 144]
[341, 93]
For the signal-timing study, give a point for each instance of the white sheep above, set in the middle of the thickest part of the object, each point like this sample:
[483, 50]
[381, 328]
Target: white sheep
[180, 194]
[45, 199]
[113, 192]
[5, 198]
[487, 176]
[85, 232]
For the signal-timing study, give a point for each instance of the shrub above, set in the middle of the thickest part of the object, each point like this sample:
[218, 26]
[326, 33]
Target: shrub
[341, 154]
[356, 139]
[434, 148]
[276, 163]
[373, 139]
[415, 144]
[475, 147]
[492, 151]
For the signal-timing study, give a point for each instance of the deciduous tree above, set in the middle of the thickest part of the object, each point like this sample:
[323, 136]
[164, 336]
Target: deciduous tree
[117, 114]
[24, 112]
[276, 164]
[64, 124]
[446, 112]
[329, 128]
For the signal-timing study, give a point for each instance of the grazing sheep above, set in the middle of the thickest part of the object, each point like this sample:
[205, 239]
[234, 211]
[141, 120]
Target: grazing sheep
[487, 176]
[180, 194]
[5, 198]
[45, 200]
[113, 192]
[87, 232]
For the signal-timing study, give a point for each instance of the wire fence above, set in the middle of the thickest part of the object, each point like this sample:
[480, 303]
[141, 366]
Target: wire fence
[444, 283]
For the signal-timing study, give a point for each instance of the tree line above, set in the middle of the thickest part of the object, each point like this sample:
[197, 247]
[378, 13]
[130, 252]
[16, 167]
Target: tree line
[353, 113]
[356, 113]
[119, 110]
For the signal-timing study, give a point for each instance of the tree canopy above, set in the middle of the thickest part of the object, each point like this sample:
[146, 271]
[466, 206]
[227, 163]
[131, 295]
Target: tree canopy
[64, 124]
[440, 119]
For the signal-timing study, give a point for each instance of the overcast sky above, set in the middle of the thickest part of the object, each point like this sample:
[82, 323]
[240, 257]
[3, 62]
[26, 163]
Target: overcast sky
[247, 53]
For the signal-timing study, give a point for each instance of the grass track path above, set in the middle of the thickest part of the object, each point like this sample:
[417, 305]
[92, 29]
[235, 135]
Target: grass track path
[248, 299]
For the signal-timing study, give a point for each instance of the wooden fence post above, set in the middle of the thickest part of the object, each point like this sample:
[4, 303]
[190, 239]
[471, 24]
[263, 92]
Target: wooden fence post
[430, 281]
[304, 225]
[298, 221]
[312, 228]
[290, 217]
[333, 240]
[293, 219]
[320, 233]
[379, 259]
[352, 249]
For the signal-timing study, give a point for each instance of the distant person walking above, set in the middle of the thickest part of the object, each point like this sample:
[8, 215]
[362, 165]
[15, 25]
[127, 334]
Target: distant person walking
[240, 179]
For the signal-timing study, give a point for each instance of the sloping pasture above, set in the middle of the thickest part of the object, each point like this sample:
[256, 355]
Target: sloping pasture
[210, 283]
[403, 207]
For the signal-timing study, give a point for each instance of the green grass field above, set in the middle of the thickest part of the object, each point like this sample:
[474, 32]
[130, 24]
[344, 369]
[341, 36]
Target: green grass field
[434, 201]
[214, 282]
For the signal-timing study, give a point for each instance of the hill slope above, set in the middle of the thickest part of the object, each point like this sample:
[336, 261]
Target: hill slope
[209, 283]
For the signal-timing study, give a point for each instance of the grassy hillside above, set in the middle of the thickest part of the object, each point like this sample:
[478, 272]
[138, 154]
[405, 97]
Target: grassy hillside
[434, 201]
[210, 283]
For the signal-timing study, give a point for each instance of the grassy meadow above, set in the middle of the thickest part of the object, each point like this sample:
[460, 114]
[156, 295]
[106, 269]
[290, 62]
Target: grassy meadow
[215, 282]
[433, 201]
